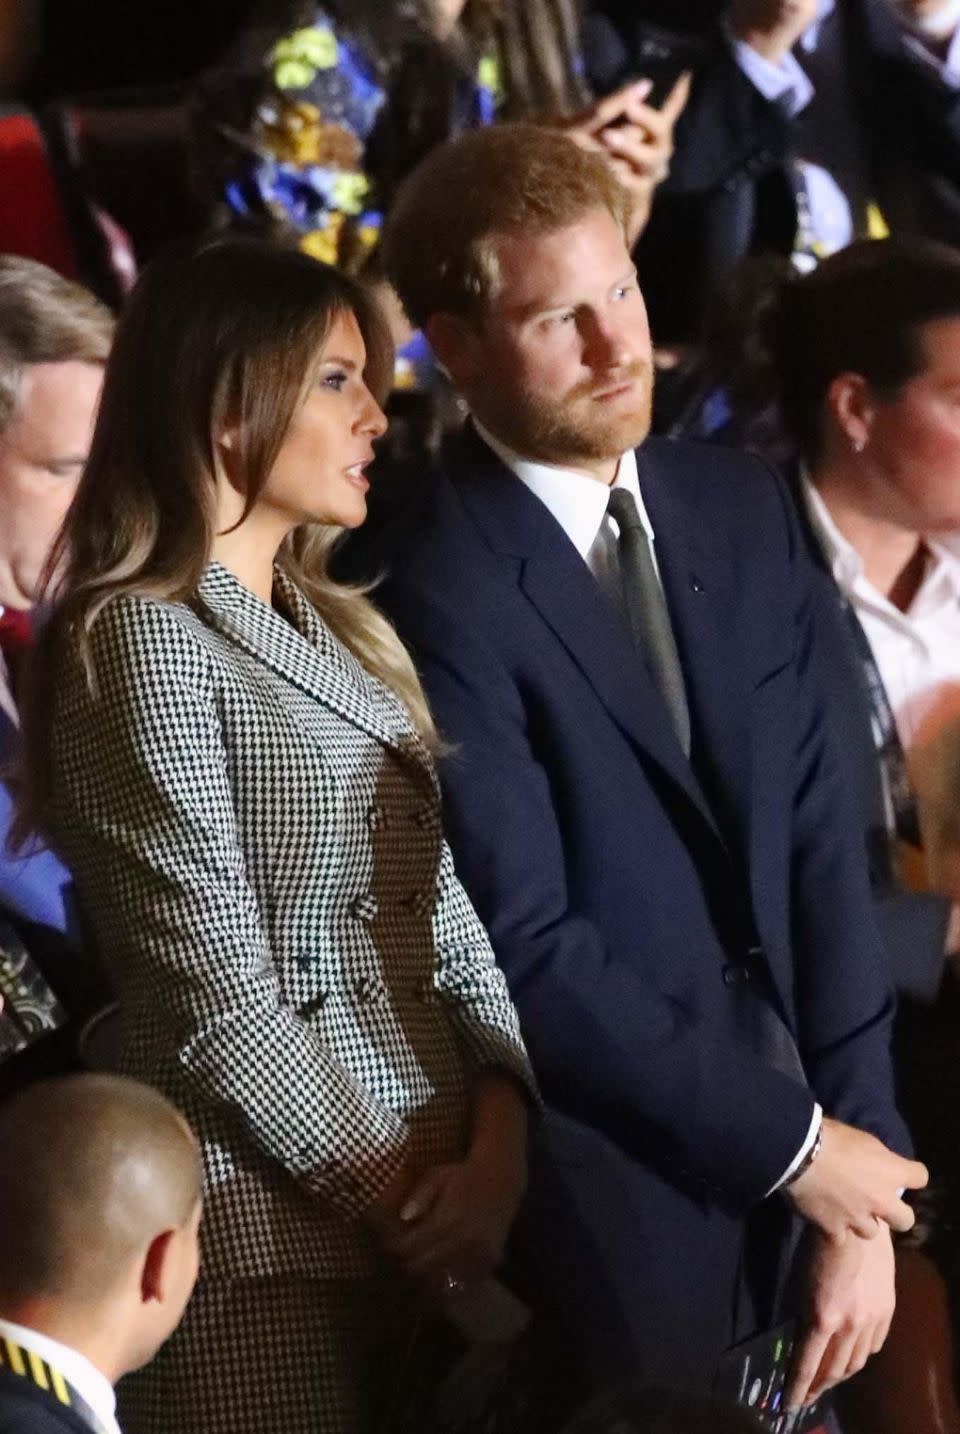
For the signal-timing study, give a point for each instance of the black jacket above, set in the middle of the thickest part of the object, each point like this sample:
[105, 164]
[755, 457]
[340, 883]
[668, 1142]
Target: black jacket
[729, 193]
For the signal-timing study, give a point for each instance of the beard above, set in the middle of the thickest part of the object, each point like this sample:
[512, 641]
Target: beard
[578, 427]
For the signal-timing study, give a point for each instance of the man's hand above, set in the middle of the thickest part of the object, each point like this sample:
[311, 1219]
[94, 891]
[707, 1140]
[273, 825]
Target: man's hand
[853, 1185]
[951, 945]
[851, 1301]
[771, 27]
[636, 139]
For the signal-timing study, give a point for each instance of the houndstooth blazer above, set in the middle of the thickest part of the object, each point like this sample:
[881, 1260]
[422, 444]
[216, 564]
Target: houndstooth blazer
[254, 830]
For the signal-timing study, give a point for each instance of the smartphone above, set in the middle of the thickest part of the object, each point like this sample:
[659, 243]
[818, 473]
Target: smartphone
[663, 56]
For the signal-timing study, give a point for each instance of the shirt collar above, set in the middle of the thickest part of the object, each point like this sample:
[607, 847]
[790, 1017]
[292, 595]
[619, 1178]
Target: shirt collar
[93, 1387]
[577, 501]
[811, 35]
[846, 564]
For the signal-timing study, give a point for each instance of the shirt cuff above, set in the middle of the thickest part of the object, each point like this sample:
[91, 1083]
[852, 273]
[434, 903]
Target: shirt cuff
[802, 1153]
[785, 81]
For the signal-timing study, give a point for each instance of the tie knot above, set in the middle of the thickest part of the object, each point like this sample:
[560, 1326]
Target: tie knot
[622, 507]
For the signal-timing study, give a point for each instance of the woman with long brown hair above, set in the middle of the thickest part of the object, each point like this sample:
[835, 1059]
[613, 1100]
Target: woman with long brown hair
[233, 755]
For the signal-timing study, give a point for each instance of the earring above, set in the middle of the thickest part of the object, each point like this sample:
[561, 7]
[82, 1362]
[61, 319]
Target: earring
[859, 444]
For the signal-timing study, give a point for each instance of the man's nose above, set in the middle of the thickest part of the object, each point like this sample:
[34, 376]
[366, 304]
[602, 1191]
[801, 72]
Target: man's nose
[606, 345]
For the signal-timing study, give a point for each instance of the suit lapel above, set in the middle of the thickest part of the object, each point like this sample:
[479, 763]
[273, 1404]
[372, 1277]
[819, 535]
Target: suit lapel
[699, 583]
[556, 580]
[308, 656]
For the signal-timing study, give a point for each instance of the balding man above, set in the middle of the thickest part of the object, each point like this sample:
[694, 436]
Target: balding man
[100, 1200]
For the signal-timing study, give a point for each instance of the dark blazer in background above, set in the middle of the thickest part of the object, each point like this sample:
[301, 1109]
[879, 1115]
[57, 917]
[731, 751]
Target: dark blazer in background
[729, 193]
[624, 888]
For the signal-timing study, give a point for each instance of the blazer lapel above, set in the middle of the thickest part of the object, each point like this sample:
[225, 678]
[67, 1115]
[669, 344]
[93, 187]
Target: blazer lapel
[555, 579]
[309, 656]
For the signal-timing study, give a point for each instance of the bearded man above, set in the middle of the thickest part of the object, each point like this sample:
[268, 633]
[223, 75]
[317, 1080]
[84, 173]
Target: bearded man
[616, 637]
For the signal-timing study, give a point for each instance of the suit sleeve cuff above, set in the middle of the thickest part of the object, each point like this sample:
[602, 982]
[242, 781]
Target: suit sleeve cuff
[802, 1153]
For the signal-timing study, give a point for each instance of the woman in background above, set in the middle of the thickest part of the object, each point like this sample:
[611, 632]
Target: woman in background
[234, 758]
[318, 114]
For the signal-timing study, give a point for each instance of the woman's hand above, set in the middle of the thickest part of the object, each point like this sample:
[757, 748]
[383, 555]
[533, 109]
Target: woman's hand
[636, 139]
[455, 1218]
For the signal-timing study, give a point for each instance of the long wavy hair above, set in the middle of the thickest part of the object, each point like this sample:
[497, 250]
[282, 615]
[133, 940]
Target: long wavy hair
[225, 332]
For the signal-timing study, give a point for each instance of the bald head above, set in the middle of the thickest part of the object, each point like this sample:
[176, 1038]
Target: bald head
[92, 1169]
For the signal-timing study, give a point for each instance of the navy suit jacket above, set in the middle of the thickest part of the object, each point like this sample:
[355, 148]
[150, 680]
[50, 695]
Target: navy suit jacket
[624, 886]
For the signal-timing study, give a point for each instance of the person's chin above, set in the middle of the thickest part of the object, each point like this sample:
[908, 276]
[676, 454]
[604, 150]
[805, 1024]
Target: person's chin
[354, 513]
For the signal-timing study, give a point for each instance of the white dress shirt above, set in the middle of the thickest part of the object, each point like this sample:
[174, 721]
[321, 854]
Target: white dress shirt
[786, 82]
[578, 501]
[93, 1387]
[918, 655]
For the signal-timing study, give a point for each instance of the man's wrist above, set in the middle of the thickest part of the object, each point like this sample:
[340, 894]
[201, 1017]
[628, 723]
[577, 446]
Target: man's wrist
[809, 1158]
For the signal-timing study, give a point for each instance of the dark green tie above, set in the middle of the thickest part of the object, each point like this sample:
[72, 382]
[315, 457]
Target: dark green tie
[647, 611]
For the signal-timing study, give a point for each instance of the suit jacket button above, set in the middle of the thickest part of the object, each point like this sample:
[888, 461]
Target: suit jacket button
[376, 818]
[420, 903]
[365, 907]
[425, 991]
[365, 990]
[734, 975]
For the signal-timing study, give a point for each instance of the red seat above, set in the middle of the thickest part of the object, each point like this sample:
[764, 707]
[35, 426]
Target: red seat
[32, 217]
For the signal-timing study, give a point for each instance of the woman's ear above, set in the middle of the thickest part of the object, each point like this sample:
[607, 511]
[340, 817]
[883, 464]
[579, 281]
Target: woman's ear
[456, 346]
[851, 408]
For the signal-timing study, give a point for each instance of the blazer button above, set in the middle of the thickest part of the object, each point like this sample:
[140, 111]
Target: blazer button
[365, 990]
[734, 975]
[314, 1005]
[376, 819]
[420, 903]
[365, 907]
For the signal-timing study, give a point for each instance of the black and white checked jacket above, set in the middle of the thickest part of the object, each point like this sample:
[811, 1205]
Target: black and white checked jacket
[254, 829]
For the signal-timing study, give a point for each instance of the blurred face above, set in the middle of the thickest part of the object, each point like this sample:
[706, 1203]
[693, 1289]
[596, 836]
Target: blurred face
[42, 452]
[561, 368]
[911, 463]
[319, 474]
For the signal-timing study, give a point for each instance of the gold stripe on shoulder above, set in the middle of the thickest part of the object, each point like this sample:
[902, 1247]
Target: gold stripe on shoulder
[59, 1386]
[38, 1369]
[15, 1356]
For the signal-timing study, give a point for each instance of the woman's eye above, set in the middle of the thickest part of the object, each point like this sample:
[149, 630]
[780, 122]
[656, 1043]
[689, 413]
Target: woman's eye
[335, 381]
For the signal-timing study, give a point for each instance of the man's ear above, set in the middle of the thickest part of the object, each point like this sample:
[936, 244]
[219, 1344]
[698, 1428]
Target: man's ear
[154, 1275]
[456, 345]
